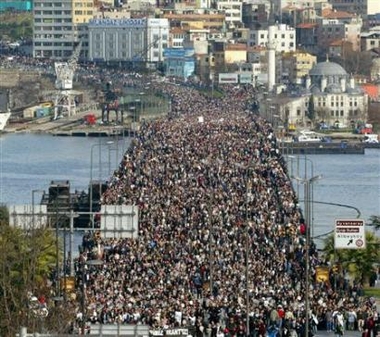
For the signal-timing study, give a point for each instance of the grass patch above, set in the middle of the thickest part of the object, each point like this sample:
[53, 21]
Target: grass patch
[372, 292]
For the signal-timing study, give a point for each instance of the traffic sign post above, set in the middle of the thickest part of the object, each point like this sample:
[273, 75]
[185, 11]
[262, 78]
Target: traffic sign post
[349, 234]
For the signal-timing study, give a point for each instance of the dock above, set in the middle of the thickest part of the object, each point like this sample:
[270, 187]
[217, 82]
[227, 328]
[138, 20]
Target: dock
[336, 147]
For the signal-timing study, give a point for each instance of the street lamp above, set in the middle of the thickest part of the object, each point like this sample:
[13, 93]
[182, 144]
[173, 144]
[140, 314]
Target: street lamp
[307, 183]
[91, 167]
[133, 113]
[138, 105]
[306, 174]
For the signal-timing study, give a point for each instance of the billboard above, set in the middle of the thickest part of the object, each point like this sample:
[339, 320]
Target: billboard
[28, 216]
[349, 234]
[245, 78]
[228, 78]
[119, 221]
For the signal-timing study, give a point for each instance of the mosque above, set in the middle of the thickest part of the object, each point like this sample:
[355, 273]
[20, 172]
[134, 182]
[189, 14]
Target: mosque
[329, 96]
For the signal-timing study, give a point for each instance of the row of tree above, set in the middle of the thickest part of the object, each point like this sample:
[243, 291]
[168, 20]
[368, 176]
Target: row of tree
[28, 258]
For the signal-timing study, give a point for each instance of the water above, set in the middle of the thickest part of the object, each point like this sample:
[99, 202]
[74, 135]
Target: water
[29, 162]
[349, 180]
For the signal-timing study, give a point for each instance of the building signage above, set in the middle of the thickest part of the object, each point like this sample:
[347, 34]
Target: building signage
[349, 234]
[228, 78]
[245, 78]
[117, 22]
[169, 332]
[178, 52]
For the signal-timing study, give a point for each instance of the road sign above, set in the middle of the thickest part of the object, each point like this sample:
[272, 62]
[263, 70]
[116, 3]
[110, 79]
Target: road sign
[349, 234]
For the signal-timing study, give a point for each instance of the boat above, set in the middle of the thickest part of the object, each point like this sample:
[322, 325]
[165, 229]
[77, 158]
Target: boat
[4, 116]
[309, 137]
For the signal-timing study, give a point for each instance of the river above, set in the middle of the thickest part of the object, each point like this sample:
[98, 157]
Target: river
[29, 162]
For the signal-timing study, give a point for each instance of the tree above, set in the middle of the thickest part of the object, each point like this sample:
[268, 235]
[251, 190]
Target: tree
[25, 267]
[311, 109]
[375, 221]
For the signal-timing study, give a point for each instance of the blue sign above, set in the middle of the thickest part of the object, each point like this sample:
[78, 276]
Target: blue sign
[117, 22]
[178, 52]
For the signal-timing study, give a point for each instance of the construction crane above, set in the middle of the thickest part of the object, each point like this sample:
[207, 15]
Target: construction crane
[142, 55]
[64, 103]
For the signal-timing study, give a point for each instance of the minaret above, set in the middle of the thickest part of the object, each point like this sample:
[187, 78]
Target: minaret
[308, 82]
[343, 84]
[323, 83]
[352, 82]
[271, 47]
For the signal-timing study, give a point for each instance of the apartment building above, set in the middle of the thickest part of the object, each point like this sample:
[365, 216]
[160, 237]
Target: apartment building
[342, 26]
[296, 66]
[284, 38]
[370, 39]
[359, 7]
[55, 26]
[233, 11]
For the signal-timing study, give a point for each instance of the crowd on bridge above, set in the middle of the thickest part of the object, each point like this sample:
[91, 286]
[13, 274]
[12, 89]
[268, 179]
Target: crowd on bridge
[218, 230]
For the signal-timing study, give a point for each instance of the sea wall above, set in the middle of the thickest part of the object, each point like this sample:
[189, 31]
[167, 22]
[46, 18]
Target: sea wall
[12, 78]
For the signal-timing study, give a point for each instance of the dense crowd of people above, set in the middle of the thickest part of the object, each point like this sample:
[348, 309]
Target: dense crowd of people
[218, 232]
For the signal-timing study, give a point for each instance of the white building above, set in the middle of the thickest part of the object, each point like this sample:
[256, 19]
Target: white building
[371, 39]
[233, 12]
[284, 38]
[135, 40]
[157, 39]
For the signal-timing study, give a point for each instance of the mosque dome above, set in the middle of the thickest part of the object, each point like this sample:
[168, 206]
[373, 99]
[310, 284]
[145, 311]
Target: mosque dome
[327, 69]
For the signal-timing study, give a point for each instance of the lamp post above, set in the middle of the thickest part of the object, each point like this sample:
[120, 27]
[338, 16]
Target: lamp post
[91, 177]
[132, 110]
[138, 105]
[307, 183]
[33, 212]
[306, 171]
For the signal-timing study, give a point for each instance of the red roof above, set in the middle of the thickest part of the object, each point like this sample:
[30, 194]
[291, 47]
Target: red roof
[334, 14]
[307, 25]
[371, 90]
